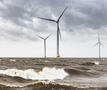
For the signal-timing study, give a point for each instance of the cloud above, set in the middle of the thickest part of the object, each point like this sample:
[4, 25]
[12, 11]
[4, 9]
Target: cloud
[82, 15]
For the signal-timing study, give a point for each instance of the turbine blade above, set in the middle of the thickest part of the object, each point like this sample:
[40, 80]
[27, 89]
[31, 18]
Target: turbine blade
[101, 44]
[98, 37]
[47, 19]
[96, 44]
[40, 37]
[59, 31]
[62, 13]
[48, 36]
[60, 34]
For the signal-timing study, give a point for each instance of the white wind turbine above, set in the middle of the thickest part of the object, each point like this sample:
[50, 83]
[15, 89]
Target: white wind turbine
[44, 39]
[99, 43]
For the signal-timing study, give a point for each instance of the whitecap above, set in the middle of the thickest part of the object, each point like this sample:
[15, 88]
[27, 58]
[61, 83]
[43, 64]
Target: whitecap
[96, 62]
[49, 74]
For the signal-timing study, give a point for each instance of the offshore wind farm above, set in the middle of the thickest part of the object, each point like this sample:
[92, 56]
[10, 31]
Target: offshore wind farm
[48, 45]
[58, 30]
[54, 73]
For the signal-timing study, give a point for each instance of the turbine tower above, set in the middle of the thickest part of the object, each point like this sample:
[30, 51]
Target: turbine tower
[44, 39]
[58, 29]
[99, 46]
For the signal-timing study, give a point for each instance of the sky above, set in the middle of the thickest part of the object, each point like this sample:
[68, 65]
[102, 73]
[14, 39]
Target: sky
[80, 25]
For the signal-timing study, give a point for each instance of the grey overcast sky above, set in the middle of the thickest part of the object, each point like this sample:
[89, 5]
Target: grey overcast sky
[79, 25]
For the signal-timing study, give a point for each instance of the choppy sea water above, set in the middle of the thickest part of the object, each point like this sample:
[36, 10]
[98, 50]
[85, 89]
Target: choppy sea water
[53, 74]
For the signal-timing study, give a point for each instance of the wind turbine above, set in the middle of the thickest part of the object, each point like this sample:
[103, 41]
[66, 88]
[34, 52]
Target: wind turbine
[58, 29]
[44, 39]
[99, 43]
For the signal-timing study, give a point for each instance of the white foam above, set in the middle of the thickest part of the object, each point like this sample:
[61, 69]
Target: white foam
[13, 60]
[46, 74]
[96, 62]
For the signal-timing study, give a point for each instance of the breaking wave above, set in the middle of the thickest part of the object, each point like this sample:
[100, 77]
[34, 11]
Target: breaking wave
[49, 74]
